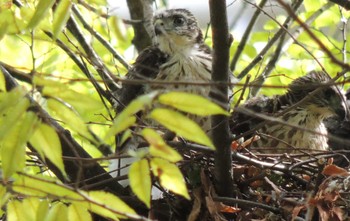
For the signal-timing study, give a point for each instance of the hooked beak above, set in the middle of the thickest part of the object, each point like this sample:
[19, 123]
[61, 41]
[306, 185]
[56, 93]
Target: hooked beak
[159, 27]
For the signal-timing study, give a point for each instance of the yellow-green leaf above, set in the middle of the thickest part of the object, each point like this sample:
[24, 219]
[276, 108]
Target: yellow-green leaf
[15, 211]
[25, 209]
[77, 212]
[108, 205]
[181, 125]
[61, 16]
[46, 141]
[58, 212]
[14, 144]
[2, 77]
[68, 116]
[31, 206]
[41, 10]
[158, 148]
[44, 186]
[42, 210]
[81, 102]
[191, 103]
[4, 195]
[10, 116]
[10, 99]
[120, 123]
[140, 181]
[140, 103]
[125, 119]
[170, 176]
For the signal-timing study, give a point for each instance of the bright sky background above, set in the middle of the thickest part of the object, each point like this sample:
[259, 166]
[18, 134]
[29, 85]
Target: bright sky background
[236, 12]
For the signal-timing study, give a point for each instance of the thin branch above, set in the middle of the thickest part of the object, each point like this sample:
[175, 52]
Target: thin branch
[267, 47]
[284, 45]
[94, 59]
[246, 204]
[102, 93]
[269, 67]
[246, 35]
[105, 43]
[336, 61]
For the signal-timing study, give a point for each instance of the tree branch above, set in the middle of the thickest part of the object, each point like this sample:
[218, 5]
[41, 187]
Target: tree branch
[220, 73]
[141, 11]
[246, 35]
[102, 70]
[267, 47]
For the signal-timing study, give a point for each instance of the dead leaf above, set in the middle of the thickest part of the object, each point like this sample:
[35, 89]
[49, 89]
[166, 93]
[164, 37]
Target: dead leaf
[229, 209]
[333, 170]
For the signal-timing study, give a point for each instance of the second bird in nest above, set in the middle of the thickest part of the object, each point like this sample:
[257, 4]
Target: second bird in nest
[293, 122]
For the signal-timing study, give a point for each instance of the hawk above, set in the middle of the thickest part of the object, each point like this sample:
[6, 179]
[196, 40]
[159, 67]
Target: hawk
[178, 58]
[179, 55]
[294, 125]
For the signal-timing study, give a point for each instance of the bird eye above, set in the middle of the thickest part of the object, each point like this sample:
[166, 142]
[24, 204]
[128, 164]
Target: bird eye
[179, 21]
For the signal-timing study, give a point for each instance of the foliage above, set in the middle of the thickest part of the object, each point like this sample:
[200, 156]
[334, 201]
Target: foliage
[71, 80]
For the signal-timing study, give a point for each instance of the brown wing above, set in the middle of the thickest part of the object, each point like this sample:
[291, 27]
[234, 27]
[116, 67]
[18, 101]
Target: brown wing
[241, 122]
[146, 67]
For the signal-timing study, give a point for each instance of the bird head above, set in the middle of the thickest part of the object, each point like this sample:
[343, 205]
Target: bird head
[176, 30]
[327, 101]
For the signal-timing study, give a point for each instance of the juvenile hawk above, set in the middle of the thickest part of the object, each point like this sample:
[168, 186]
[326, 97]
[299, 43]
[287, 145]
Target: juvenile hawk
[179, 55]
[178, 58]
[300, 127]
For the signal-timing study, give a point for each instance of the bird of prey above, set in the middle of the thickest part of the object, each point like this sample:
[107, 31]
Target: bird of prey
[178, 58]
[293, 120]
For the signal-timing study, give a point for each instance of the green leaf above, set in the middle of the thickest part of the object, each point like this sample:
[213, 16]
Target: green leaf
[25, 210]
[140, 103]
[311, 5]
[108, 205]
[31, 206]
[120, 123]
[181, 125]
[42, 210]
[9, 117]
[170, 176]
[13, 146]
[68, 116]
[41, 10]
[15, 211]
[2, 77]
[58, 212]
[4, 195]
[125, 119]
[43, 186]
[46, 141]
[191, 103]
[61, 16]
[140, 181]
[77, 212]
[80, 101]
[158, 148]
[10, 99]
